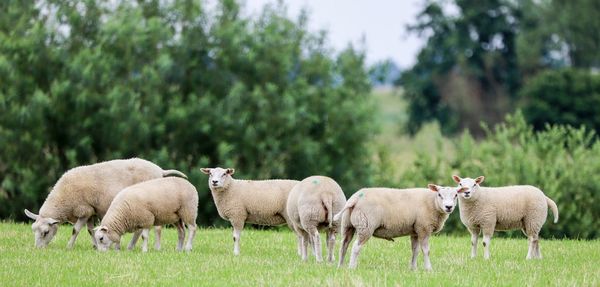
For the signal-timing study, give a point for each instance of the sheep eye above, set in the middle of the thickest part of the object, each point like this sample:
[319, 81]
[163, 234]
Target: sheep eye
[45, 233]
[224, 175]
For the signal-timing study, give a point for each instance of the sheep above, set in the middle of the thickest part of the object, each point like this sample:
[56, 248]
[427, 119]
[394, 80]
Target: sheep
[487, 209]
[260, 202]
[155, 202]
[87, 191]
[311, 205]
[388, 213]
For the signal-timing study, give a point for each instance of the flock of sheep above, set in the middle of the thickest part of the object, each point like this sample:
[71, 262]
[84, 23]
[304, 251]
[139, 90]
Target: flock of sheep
[135, 195]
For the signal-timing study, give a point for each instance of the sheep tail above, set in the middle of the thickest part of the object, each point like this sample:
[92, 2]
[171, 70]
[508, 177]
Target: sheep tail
[328, 204]
[554, 208]
[173, 172]
[349, 204]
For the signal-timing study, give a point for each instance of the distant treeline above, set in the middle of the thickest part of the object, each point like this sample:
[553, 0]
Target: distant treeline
[487, 58]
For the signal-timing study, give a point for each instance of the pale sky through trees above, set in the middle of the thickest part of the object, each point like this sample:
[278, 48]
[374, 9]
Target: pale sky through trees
[381, 22]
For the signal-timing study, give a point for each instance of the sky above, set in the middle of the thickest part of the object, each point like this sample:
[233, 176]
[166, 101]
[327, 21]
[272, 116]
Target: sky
[381, 22]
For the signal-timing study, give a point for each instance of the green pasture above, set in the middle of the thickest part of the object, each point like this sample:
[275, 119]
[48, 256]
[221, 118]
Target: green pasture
[269, 259]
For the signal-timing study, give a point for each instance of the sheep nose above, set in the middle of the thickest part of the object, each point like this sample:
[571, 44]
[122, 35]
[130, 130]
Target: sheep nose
[215, 181]
[449, 207]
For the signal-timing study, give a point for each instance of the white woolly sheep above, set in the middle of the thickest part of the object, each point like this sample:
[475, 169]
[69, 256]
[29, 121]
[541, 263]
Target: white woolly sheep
[87, 191]
[260, 202]
[388, 213]
[311, 205]
[161, 201]
[486, 209]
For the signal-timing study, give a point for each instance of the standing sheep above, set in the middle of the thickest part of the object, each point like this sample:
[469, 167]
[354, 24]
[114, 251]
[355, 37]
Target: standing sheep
[87, 191]
[388, 213]
[487, 209]
[154, 202]
[260, 202]
[311, 205]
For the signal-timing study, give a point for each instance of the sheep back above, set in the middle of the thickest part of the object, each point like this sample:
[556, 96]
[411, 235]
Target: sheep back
[506, 207]
[260, 202]
[396, 212]
[87, 190]
[154, 202]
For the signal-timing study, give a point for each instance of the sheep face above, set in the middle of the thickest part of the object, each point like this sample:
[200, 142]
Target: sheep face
[446, 197]
[43, 228]
[218, 177]
[102, 238]
[471, 185]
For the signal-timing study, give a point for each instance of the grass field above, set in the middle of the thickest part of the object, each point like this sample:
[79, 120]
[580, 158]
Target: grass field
[269, 259]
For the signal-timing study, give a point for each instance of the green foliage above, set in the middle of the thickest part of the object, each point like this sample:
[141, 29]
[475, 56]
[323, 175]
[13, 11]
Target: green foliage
[171, 82]
[468, 70]
[269, 258]
[473, 65]
[562, 161]
[569, 97]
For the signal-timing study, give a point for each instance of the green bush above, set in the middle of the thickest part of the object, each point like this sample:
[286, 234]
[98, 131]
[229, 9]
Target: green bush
[562, 161]
[568, 97]
[178, 85]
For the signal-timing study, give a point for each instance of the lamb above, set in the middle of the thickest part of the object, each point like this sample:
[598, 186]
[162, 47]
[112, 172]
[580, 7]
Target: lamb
[155, 202]
[260, 202]
[388, 213]
[311, 205]
[486, 209]
[87, 191]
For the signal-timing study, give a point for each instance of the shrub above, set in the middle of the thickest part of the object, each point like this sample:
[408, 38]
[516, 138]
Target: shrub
[561, 160]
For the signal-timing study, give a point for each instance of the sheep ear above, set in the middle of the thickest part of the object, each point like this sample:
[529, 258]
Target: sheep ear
[479, 180]
[52, 221]
[456, 178]
[31, 214]
[433, 187]
[205, 170]
[230, 171]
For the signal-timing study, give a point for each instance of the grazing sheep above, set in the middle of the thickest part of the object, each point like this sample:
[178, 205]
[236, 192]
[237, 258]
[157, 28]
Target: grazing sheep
[161, 201]
[388, 213]
[311, 205]
[487, 209]
[260, 202]
[87, 191]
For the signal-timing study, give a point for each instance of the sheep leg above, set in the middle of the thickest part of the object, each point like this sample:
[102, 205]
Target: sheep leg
[305, 242]
[191, 235]
[358, 244]
[134, 239]
[474, 237]
[316, 242]
[90, 228]
[347, 234]
[145, 234]
[118, 245]
[414, 244]
[330, 244]
[424, 242]
[157, 232]
[533, 251]
[487, 238]
[299, 239]
[237, 232]
[538, 252]
[180, 235]
[81, 222]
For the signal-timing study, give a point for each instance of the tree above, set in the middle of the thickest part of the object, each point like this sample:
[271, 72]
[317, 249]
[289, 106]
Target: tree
[86, 81]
